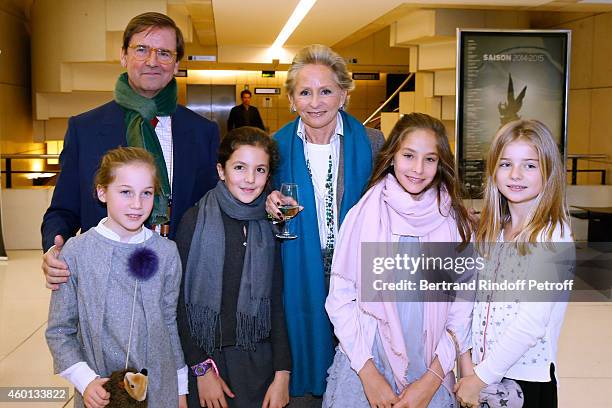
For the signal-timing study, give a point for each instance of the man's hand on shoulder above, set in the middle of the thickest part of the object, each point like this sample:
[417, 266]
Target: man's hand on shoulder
[56, 271]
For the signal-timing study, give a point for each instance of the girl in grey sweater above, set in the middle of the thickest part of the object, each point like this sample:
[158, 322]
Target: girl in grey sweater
[118, 307]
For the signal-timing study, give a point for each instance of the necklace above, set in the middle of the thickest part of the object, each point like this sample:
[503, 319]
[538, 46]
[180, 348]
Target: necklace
[328, 249]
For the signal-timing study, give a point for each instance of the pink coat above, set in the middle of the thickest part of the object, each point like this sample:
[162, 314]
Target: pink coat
[385, 213]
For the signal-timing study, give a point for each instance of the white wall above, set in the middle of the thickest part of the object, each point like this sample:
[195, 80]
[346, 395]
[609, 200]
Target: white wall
[22, 212]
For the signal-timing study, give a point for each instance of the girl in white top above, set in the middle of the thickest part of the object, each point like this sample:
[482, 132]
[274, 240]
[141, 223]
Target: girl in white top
[524, 204]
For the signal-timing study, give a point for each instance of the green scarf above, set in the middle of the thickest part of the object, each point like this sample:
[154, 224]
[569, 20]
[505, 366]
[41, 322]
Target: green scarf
[140, 132]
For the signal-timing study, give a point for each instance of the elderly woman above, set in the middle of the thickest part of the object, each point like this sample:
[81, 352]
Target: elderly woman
[329, 154]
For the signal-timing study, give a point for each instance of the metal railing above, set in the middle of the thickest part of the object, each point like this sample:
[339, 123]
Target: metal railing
[8, 167]
[385, 103]
[376, 122]
[590, 157]
[574, 170]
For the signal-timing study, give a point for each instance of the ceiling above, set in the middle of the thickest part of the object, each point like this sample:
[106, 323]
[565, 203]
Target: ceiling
[333, 22]
[230, 25]
[330, 22]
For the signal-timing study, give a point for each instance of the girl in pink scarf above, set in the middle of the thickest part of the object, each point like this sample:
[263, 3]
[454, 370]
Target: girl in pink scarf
[412, 196]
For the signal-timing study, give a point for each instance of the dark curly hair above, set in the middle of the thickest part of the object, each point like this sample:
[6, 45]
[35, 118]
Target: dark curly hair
[250, 136]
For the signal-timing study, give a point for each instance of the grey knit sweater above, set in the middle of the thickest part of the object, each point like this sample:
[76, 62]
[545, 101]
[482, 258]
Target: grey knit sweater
[89, 316]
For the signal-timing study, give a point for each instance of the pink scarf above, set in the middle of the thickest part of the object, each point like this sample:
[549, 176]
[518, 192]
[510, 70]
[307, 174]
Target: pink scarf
[385, 211]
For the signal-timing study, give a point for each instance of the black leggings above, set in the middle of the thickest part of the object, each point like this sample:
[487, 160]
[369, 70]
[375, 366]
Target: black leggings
[540, 394]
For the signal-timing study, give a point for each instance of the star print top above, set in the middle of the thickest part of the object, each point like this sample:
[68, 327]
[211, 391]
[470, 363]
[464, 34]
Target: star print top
[513, 338]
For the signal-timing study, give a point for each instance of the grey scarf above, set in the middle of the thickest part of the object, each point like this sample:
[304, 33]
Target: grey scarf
[204, 271]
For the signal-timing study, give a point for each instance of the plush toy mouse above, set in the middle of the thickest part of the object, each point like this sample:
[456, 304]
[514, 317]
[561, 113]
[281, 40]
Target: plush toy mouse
[127, 388]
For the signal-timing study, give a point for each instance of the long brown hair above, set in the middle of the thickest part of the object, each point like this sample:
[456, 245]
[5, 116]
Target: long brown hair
[550, 208]
[445, 177]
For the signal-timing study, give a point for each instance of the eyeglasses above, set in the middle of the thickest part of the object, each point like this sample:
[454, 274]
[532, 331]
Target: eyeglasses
[142, 52]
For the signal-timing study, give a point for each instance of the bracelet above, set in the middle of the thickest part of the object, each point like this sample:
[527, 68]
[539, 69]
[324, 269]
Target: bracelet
[434, 373]
[202, 368]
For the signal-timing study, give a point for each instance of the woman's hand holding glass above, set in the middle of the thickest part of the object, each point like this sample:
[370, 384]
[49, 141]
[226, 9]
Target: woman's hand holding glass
[273, 204]
[289, 208]
[282, 206]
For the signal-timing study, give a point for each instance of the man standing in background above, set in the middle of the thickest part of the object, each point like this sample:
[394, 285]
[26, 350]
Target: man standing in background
[244, 114]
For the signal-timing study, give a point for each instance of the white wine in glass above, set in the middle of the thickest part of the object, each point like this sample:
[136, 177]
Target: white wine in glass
[289, 211]
[289, 208]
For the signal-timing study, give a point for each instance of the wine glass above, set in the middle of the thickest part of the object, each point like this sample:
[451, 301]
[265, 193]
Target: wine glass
[289, 208]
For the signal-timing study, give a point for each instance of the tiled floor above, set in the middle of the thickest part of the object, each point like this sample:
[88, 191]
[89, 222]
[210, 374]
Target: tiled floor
[25, 360]
[585, 349]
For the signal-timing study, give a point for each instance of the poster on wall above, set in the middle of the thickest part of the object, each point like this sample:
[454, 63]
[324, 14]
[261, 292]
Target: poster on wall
[502, 76]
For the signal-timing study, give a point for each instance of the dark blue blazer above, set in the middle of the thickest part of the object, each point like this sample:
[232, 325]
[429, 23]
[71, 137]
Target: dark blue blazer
[91, 134]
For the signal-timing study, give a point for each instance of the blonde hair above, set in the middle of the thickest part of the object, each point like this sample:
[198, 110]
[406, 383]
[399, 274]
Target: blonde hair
[550, 208]
[317, 54]
[121, 156]
[445, 178]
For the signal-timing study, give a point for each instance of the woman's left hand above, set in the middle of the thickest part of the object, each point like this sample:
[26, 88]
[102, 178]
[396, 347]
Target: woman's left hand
[182, 401]
[468, 390]
[419, 393]
[277, 395]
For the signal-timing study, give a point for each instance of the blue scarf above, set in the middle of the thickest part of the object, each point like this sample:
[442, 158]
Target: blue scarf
[310, 331]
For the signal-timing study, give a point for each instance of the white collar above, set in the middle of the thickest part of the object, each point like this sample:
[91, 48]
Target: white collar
[339, 131]
[137, 238]
[164, 120]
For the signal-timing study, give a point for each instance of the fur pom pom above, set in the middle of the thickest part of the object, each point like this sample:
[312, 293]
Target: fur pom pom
[143, 264]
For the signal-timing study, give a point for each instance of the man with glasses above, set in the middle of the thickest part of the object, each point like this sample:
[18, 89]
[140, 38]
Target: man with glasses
[144, 113]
